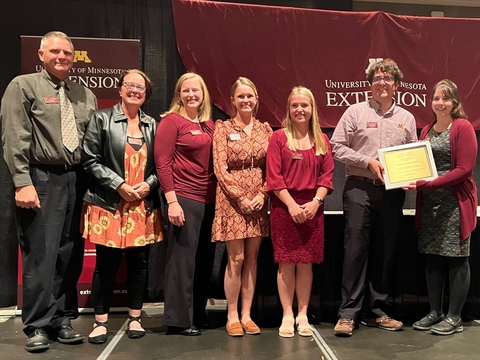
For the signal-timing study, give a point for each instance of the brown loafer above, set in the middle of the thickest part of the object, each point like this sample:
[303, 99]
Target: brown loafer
[234, 329]
[250, 328]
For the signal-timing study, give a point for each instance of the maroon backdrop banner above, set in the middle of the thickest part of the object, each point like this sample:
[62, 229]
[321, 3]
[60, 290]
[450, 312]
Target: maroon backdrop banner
[327, 51]
[97, 65]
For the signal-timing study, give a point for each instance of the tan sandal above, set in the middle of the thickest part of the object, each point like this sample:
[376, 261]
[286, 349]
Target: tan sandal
[287, 329]
[305, 329]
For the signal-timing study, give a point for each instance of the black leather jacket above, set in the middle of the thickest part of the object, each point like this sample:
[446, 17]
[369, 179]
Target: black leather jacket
[103, 157]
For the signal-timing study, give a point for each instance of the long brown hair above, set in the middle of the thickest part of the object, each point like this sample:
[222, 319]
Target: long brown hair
[450, 90]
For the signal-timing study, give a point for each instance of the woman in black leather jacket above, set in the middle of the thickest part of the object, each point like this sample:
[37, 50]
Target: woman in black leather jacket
[121, 211]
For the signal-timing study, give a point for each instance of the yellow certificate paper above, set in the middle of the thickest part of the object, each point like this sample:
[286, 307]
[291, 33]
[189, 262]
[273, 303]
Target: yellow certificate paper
[407, 163]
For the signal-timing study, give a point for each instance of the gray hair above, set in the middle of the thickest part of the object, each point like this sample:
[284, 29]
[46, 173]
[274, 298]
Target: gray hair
[58, 34]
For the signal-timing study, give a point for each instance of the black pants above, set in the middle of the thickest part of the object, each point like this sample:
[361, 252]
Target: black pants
[190, 254]
[52, 248]
[373, 217]
[106, 268]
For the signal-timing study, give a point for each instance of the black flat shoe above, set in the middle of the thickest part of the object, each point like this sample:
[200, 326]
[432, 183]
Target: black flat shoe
[37, 341]
[447, 326]
[190, 331]
[134, 334]
[427, 322]
[99, 339]
[66, 335]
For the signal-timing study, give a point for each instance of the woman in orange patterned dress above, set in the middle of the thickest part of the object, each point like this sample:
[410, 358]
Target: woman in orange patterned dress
[121, 210]
[241, 220]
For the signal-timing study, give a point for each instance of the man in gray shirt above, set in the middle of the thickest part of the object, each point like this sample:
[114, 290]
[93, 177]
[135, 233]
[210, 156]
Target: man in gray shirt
[373, 215]
[49, 185]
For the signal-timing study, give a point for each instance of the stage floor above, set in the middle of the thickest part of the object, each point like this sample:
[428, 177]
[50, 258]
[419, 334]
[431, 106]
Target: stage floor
[366, 343]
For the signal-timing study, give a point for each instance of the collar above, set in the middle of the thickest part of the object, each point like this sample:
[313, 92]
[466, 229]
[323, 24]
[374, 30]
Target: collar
[376, 106]
[237, 127]
[119, 115]
[54, 81]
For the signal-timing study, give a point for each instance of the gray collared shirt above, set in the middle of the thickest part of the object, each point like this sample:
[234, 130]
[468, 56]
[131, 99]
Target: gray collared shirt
[31, 124]
[364, 128]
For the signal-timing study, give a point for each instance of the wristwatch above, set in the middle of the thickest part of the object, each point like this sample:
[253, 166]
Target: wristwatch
[320, 200]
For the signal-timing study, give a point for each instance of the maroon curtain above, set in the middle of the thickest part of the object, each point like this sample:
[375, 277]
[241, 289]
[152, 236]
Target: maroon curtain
[327, 51]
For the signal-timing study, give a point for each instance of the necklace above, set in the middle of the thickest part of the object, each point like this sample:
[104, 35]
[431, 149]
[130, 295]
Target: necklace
[436, 128]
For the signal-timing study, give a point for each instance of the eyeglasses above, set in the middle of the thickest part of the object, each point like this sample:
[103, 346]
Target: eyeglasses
[386, 79]
[131, 86]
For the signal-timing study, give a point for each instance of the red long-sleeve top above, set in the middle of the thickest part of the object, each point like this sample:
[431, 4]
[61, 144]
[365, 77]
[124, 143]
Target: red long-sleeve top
[183, 158]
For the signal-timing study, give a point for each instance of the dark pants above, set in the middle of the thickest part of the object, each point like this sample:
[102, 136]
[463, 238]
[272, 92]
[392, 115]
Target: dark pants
[373, 217]
[457, 271]
[52, 248]
[106, 268]
[190, 254]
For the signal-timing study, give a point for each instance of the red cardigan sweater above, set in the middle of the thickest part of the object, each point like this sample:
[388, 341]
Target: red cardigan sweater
[463, 143]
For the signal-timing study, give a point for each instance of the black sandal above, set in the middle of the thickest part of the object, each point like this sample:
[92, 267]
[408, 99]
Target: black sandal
[99, 339]
[134, 334]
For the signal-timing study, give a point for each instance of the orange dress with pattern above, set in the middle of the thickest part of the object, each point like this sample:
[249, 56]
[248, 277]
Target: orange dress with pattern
[131, 224]
[239, 165]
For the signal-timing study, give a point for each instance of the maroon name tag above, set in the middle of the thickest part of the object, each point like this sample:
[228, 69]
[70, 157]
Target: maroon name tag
[51, 100]
[372, 124]
[297, 156]
[135, 141]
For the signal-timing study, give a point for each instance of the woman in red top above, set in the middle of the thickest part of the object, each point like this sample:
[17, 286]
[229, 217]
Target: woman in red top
[183, 158]
[446, 212]
[299, 173]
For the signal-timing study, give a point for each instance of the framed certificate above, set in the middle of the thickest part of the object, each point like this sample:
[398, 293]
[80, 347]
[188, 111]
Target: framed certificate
[407, 163]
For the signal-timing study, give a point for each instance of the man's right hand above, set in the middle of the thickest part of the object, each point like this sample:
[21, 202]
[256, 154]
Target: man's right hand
[26, 197]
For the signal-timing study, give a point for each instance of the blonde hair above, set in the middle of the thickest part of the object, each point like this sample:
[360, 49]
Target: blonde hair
[243, 81]
[313, 127]
[176, 106]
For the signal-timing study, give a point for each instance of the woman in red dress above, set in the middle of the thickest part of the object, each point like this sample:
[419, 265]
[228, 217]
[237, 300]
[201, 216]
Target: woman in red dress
[299, 174]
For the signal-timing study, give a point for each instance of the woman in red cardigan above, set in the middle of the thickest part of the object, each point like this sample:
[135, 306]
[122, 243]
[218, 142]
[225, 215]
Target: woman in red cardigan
[446, 209]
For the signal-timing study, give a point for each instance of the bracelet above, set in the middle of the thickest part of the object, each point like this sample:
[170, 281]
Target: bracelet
[171, 202]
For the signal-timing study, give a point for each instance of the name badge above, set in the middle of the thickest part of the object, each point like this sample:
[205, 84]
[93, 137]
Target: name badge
[372, 124]
[196, 132]
[51, 100]
[297, 156]
[234, 137]
[134, 141]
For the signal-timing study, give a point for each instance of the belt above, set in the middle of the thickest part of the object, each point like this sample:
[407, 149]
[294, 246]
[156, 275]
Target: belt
[376, 182]
[56, 168]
